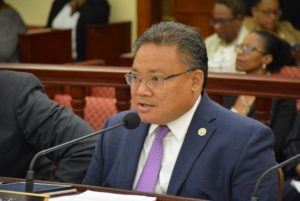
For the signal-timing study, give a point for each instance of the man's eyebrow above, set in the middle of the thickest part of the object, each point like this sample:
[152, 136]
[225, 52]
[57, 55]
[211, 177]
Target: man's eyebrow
[157, 70]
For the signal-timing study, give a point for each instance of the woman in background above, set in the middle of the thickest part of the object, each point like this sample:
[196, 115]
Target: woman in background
[76, 15]
[266, 16]
[262, 53]
[11, 25]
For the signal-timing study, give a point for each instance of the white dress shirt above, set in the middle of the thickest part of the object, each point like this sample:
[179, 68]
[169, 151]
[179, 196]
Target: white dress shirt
[172, 145]
[221, 56]
[64, 20]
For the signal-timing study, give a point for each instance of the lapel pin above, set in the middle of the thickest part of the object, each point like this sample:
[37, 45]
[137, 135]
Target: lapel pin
[202, 131]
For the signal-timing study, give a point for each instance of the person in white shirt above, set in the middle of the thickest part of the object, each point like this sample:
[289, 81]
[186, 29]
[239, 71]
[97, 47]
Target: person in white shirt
[226, 20]
[11, 25]
[76, 15]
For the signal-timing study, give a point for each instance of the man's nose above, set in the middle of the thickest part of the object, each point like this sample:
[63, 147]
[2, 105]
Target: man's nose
[217, 26]
[143, 88]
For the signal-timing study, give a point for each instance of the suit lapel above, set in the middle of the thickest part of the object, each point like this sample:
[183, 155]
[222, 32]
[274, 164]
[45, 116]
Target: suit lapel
[193, 144]
[129, 159]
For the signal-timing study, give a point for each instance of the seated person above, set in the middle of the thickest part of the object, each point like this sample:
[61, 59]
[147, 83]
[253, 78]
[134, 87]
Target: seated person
[76, 15]
[11, 26]
[262, 53]
[292, 148]
[289, 10]
[226, 20]
[184, 145]
[265, 16]
[31, 122]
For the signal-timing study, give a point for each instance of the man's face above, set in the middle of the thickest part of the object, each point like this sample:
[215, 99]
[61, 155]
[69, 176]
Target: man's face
[224, 23]
[267, 14]
[167, 102]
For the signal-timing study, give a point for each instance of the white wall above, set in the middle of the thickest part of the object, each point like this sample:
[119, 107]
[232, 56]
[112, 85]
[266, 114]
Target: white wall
[33, 12]
[125, 10]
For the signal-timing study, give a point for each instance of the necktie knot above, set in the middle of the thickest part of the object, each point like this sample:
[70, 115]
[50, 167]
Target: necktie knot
[162, 131]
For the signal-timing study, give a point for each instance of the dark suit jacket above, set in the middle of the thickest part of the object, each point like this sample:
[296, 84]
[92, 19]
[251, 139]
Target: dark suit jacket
[31, 122]
[282, 119]
[92, 12]
[222, 165]
[292, 148]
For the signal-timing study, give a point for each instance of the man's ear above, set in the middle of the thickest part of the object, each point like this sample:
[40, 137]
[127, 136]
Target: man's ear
[197, 80]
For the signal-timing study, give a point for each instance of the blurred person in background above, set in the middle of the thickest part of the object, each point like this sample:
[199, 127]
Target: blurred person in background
[11, 25]
[76, 15]
[262, 53]
[265, 16]
[226, 21]
[292, 148]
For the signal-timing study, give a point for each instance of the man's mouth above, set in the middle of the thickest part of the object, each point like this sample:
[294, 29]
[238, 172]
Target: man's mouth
[144, 107]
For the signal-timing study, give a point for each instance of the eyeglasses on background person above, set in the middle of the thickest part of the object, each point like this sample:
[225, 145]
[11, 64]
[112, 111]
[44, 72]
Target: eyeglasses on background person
[155, 81]
[221, 22]
[248, 49]
[269, 13]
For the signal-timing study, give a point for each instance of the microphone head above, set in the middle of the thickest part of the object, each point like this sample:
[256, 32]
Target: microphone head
[131, 120]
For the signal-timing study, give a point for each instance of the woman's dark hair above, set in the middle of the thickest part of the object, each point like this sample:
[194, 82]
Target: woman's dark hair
[249, 4]
[278, 48]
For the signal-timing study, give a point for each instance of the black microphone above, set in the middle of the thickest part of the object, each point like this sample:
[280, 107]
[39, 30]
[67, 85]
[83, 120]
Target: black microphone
[268, 172]
[130, 121]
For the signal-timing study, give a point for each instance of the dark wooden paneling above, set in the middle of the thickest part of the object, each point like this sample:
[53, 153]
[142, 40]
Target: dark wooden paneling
[148, 13]
[126, 59]
[264, 88]
[46, 46]
[108, 42]
[194, 12]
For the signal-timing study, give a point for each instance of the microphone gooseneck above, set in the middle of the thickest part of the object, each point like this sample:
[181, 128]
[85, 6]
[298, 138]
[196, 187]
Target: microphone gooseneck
[130, 121]
[269, 171]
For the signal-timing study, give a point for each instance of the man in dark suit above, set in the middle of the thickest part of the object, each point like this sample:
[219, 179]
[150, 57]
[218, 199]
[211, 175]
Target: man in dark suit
[208, 152]
[31, 122]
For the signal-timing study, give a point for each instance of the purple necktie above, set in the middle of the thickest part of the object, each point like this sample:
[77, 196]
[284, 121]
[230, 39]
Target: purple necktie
[149, 175]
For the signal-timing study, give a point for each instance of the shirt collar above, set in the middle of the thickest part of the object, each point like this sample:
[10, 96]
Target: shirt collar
[179, 126]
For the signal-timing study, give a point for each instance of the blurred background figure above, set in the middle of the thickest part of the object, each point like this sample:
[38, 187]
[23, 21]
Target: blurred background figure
[290, 10]
[226, 21]
[262, 53]
[76, 15]
[11, 25]
[292, 148]
[296, 53]
[266, 16]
